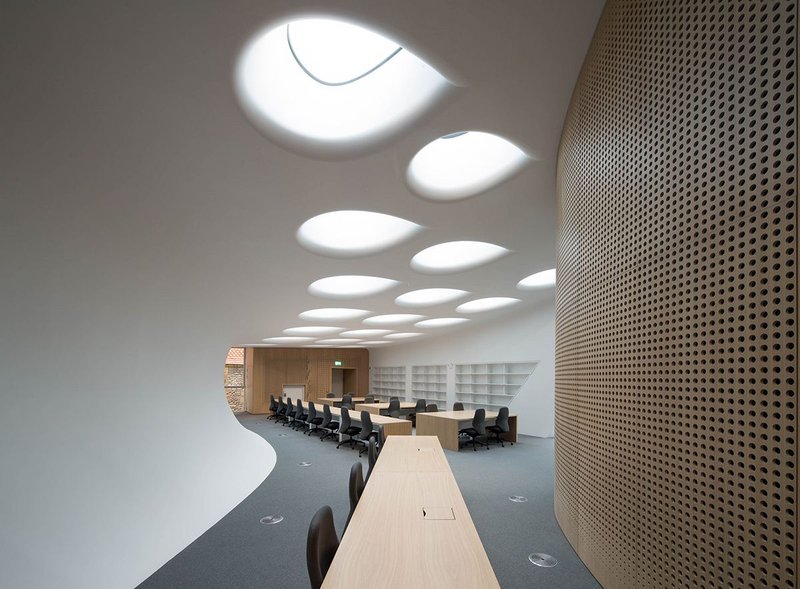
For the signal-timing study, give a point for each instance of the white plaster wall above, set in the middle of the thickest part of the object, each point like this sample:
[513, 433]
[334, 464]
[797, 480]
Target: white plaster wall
[521, 337]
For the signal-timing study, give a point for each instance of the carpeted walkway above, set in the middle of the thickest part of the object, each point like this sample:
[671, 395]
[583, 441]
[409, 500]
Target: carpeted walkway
[239, 552]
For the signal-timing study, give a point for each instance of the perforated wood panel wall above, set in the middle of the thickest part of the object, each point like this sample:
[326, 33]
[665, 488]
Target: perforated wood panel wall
[676, 341]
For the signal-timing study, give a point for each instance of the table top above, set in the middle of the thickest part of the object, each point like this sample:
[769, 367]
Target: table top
[339, 399]
[413, 525]
[385, 406]
[376, 419]
[466, 415]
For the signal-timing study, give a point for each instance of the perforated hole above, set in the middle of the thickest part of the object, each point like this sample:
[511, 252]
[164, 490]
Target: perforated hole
[676, 366]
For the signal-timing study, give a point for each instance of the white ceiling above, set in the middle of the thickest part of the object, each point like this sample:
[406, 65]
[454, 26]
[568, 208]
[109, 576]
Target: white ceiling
[155, 175]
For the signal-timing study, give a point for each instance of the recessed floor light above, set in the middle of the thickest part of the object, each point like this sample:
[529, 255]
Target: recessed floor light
[441, 322]
[312, 330]
[455, 256]
[287, 340]
[487, 304]
[543, 279]
[463, 164]
[393, 319]
[428, 297]
[402, 335]
[347, 234]
[327, 83]
[365, 333]
[333, 314]
[338, 340]
[349, 287]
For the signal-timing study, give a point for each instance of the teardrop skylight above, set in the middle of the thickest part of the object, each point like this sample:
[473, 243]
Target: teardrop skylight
[427, 297]
[287, 340]
[543, 279]
[333, 314]
[349, 287]
[463, 164]
[365, 333]
[441, 322]
[312, 330]
[402, 335]
[487, 304]
[374, 343]
[326, 83]
[456, 256]
[347, 234]
[338, 341]
[393, 319]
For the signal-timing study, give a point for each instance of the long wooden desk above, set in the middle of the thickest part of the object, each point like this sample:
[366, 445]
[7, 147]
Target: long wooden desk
[445, 425]
[337, 401]
[411, 527]
[382, 408]
[391, 426]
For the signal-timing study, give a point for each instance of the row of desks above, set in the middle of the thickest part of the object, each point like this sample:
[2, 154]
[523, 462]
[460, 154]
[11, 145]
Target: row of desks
[411, 527]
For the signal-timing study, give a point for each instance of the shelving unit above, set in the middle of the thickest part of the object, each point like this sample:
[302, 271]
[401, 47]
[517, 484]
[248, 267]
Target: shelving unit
[430, 383]
[490, 386]
[388, 381]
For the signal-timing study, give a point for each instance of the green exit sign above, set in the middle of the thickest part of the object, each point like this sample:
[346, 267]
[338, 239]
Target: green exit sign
[337, 362]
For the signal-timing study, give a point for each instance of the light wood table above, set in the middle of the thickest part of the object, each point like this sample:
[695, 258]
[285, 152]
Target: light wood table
[337, 401]
[412, 525]
[382, 408]
[391, 426]
[445, 425]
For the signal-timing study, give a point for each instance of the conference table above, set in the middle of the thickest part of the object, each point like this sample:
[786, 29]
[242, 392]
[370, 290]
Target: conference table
[445, 425]
[382, 408]
[391, 426]
[337, 401]
[411, 527]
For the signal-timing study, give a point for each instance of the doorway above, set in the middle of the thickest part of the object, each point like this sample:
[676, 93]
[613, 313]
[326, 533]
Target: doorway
[343, 380]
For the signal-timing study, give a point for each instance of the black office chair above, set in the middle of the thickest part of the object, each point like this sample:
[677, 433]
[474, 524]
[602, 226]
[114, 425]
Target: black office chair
[459, 406]
[372, 457]
[313, 418]
[432, 408]
[329, 396]
[291, 411]
[478, 429]
[366, 434]
[419, 408]
[300, 416]
[347, 428]
[281, 414]
[321, 546]
[328, 425]
[347, 401]
[369, 399]
[500, 427]
[394, 408]
[356, 488]
[273, 407]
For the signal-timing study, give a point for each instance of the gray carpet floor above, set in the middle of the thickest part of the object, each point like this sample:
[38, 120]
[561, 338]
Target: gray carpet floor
[240, 552]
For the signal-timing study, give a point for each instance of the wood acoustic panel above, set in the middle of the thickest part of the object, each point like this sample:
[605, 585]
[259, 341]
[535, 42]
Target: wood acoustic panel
[676, 316]
[274, 367]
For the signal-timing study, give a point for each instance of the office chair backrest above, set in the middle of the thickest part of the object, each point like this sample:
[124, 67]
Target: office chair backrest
[347, 401]
[366, 425]
[369, 399]
[458, 406]
[432, 408]
[289, 405]
[394, 399]
[273, 404]
[394, 403]
[420, 407]
[479, 421]
[502, 420]
[372, 456]
[321, 546]
[329, 396]
[300, 409]
[281, 405]
[381, 435]
[312, 411]
[356, 488]
[326, 415]
[345, 420]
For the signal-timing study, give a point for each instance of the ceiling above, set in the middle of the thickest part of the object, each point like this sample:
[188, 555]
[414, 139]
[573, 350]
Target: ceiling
[158, 185]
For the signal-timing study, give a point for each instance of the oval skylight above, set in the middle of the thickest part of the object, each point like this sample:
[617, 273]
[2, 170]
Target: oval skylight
[349, 287]
[393, 319]
[374, 343]
[348, 234]
[333, 314]
[312, 330]
[402, 335]
[463, 164]
[314, 82]
[365, 333]
[456, 256]
[287, 340]
[427, 297]
[543, 279]
[441, 322]
[487, 304]
[338, 341]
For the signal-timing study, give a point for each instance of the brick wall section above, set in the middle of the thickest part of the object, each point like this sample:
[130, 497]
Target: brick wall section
[234, 386]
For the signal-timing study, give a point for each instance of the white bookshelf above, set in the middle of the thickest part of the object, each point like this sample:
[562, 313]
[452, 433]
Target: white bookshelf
[430, 383]
[388, 381]
[490, 386]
